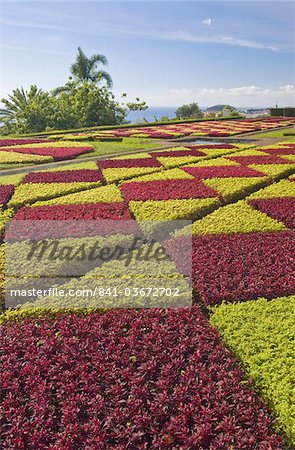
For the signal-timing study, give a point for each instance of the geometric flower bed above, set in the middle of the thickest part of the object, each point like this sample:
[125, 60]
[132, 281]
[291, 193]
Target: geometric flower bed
[159, 378]
[129, 166]
[210, 128]
[9, 157]
[20, 141]
[58, 153]
[259, 332]
[141, 379]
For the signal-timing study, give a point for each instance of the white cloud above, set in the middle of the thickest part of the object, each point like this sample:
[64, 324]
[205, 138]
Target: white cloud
[207, 21]
[218, 39]
[251, 95]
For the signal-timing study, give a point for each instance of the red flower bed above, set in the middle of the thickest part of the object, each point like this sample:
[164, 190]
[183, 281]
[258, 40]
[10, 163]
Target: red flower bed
[217, 134]
[244, 266]
[81, 221]
[280, 151]
[91, 211]
[6, 192]
[136, 162]
[281, 209]
[58, 153]
[247, 160]
[149, 379]
[178, 153]
[10, 142]
[222, 172]
[65, 176]
[166, 190]
[209, 145]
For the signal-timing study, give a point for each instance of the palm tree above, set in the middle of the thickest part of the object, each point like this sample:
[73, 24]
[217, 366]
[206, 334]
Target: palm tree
[85, 69]
[18, 100]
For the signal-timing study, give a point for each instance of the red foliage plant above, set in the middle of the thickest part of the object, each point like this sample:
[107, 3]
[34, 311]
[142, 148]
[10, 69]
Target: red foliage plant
[178, 153]
[244, 266]
[58, 153]
[136, 162]
[222, 172]
[263, 159]
[149, 379]
[281, 209]
[6, 191]
[166, 190]
[80, 221]
[65, 176]
[21, 141]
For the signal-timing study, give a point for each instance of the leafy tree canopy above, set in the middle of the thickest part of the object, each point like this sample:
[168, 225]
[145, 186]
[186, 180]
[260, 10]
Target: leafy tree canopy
[189, 111]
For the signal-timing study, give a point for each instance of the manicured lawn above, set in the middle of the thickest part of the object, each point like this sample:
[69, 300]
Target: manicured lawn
[276, 134]
[127, 145]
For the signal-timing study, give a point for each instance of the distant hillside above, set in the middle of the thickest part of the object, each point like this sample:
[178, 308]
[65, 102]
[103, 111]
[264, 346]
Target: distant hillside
[216, 108]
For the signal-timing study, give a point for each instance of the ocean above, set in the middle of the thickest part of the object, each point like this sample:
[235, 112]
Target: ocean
[150, 114]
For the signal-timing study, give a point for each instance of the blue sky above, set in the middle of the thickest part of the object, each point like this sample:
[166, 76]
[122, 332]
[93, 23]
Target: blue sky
[166, 52]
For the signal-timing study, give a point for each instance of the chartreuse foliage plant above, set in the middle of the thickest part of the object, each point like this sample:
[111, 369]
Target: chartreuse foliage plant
[173, 209]
[89, 165]
[261, 334]
[26, 194]
[113, 175]
[12, 179]
[249, 152]
[214, 162]
[274, 170]
[170, 174]
[171, 161]
[19, 315]
[133, 156]
[4, 217]
[57, 144]
[7, 157]
[283, 188]
[233, 189]
[103, 194]
[237, 218]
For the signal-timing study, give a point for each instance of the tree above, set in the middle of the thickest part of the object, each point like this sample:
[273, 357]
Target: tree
[229, 111]
[189, 111]
[82, 102]
[19, 100]
[85, 69]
